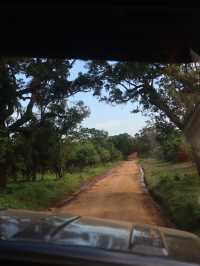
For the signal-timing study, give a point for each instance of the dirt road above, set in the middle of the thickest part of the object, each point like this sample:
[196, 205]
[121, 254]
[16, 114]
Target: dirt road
[119, 195]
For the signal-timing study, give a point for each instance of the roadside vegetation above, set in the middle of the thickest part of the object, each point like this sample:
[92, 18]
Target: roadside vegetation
[48, 191]
[43, 169]
[176, 187]
[170, 174]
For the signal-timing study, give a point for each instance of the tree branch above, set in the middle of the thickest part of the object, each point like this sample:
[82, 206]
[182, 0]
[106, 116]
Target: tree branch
[156, 100]
[192, 120]
[121, 84]
[25, 117]
[24, 91]
[73, 62]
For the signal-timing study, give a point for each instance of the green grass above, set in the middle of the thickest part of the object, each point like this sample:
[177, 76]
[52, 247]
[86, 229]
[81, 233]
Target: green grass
[177, 188]
[46, 193]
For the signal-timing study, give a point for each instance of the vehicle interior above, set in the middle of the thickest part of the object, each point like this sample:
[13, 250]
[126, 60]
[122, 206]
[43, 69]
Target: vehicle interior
[158, 33]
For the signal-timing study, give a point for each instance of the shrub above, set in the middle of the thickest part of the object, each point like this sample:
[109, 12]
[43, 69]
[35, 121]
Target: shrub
[115, 154]
[104, 154]
[84, 154]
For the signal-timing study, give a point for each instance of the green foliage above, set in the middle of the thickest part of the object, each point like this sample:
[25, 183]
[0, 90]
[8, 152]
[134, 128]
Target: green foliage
[162, 141]
[145, 142]
[99, 137]
[6, 156]
[84, 154]
[124, 143]
[172, 143]
[170, 91]
[90, 147]
[181, 194]
[105, 155]
[35, 114]
[30, 154]
[45, 193]
[171, 147]
[115, 154]
[177, 188]
[39, 127]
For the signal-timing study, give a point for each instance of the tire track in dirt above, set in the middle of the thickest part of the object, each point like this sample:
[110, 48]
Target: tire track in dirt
[119, 195]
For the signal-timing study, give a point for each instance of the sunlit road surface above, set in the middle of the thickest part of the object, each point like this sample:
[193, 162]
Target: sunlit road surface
[119, 195]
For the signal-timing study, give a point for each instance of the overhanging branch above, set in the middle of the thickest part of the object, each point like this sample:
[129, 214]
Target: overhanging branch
[25, 117]
[156, 100]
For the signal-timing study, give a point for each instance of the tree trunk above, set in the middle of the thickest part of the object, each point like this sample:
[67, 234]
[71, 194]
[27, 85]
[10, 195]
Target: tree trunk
[192, 134]
[195, 145]
[3, 155]
[3, 177]
[60, 172]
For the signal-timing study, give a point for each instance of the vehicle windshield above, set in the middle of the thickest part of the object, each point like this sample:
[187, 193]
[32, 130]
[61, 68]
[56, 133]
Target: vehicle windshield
[105, 139]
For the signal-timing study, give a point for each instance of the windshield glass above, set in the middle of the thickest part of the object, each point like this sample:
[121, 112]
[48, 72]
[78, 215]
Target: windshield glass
[105, 139]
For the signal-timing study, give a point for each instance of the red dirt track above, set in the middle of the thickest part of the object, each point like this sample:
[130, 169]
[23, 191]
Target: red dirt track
[119, 195]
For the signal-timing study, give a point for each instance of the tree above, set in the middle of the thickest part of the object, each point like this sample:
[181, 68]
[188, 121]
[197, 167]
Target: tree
[115, 154]
[172, 91]
[172, 142]
[6, 152]
[63, 126]
[36, 89]
[145, 142]
[124, 143]
[84, 154]
[95, 135]
[33, 83]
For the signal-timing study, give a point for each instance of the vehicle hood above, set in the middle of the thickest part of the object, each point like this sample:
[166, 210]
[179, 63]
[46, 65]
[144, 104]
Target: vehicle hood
[100, 234]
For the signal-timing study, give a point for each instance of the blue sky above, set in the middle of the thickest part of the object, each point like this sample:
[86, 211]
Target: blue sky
[114, 119]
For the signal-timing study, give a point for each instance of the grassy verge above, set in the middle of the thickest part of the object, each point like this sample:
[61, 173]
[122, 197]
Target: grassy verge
[177, 188]
[42, 194]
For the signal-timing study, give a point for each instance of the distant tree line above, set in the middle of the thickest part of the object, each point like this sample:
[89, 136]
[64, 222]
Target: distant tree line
[30, 154]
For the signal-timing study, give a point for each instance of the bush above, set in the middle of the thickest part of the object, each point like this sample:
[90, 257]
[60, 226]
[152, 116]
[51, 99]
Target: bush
[104, 154]
[174, 147]
[41, 148]
[84, 154]
[123, 143]
[115, 154]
